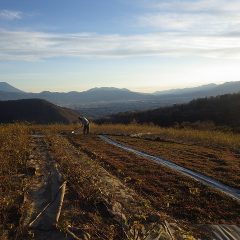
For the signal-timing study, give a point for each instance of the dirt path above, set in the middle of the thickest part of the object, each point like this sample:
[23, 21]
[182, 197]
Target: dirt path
[43, 200]
[232, 192]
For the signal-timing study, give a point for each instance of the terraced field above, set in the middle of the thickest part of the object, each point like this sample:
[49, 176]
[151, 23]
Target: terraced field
[69, 186]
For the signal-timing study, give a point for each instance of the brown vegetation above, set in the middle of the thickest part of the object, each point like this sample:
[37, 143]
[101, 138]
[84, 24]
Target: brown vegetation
[112, 194]
[14, 153]
[221, 163]
[191, 136]
[171, 193]
[101, 199]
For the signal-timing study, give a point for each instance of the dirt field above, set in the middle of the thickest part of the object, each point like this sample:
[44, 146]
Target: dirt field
[163, 187]
[58, 185]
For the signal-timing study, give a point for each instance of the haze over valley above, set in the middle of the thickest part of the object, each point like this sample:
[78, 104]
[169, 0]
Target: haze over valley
[99, 102]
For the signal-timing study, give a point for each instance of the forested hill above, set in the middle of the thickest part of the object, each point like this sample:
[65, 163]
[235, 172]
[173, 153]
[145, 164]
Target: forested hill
[222, 110]
[35, 111]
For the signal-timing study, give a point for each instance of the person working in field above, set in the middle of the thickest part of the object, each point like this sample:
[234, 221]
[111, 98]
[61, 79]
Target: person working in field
[85, 125]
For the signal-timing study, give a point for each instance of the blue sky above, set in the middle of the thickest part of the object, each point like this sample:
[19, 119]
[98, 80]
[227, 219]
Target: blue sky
[143, 45]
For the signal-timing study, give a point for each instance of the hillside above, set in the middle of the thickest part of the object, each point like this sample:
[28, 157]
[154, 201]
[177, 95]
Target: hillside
[34, 111]
[222, 110]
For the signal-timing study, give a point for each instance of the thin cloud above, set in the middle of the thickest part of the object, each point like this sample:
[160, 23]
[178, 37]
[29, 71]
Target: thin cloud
[198, 5]
[201, 16]
[10, 15]
[33, 46]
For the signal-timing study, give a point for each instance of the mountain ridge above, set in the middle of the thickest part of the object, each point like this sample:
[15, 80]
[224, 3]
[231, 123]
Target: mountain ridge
[188, 89]
[174, 91]
[98, 102]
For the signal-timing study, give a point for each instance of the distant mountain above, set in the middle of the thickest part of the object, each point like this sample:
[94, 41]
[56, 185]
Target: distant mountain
[222, 110]
[228, 87]
[107, 89]
[35, 111]
[95, 95]
[98, 102]
[5, 87]
[152, 101]
[187, 90]
[116, 95]
[204, 90]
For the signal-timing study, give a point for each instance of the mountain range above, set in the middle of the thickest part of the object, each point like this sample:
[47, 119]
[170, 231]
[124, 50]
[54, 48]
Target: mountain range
[98, 102]
[187, 90]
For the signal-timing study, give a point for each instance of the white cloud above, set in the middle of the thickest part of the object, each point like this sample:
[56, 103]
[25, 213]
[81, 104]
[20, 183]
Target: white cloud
[209, 28]
[10, 15]
[200, 16]
[32, 46]
[198, 5]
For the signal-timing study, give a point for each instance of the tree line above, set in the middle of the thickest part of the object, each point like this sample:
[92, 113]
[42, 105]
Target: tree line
[223, 110]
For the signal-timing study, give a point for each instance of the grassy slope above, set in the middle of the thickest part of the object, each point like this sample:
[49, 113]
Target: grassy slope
[209, 138]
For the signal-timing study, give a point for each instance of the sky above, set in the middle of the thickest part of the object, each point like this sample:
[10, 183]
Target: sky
[142, 45]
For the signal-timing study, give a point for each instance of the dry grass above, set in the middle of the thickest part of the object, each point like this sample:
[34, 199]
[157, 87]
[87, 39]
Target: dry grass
[188, 135]
[210, 137]
[53, 128]
[14, 144]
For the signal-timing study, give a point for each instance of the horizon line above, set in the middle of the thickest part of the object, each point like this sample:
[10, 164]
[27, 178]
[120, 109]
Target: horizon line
[123, 88]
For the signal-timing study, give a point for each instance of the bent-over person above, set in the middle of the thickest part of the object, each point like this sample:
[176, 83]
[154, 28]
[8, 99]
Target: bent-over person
[85, 125]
